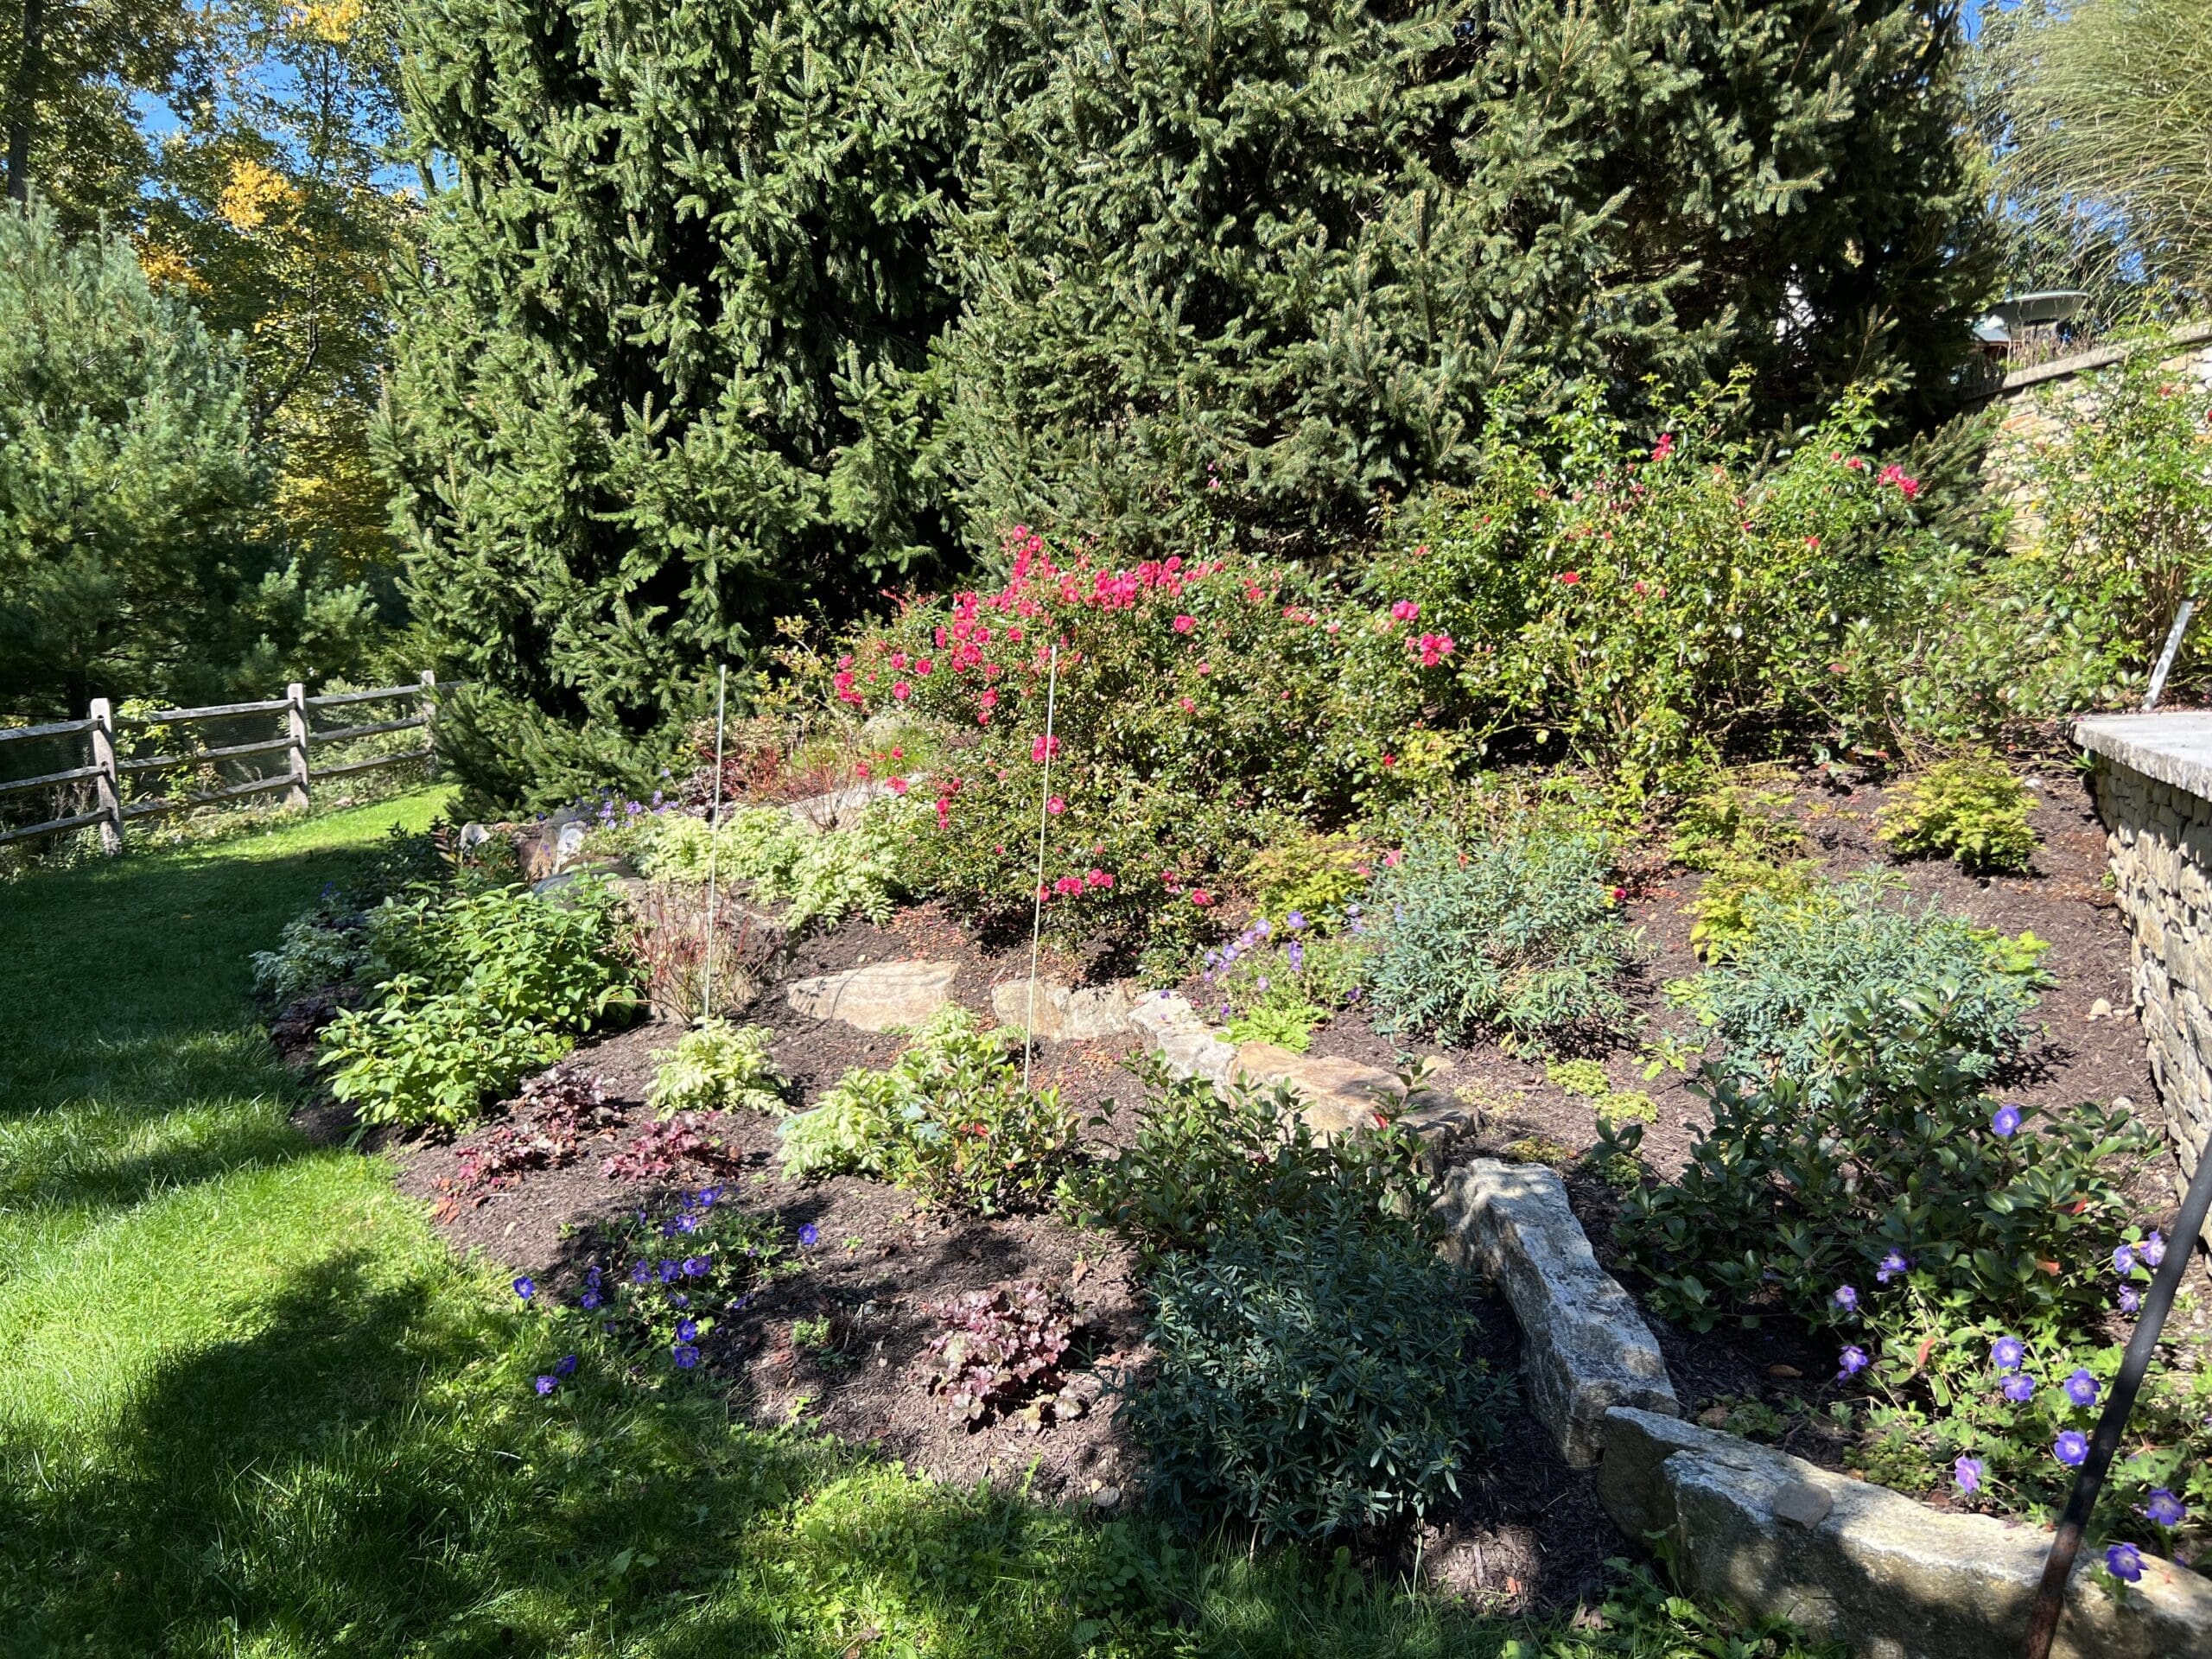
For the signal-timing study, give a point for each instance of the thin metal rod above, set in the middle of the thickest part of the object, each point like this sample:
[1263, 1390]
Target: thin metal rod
[714, 839]
[2166, 656]
[2058, 1566]
[1037, 905]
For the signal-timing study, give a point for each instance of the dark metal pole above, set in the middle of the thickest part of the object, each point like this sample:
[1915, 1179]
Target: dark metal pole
[2050, 1595]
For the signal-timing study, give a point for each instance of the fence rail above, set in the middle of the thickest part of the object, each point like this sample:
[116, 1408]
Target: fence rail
[107, 772]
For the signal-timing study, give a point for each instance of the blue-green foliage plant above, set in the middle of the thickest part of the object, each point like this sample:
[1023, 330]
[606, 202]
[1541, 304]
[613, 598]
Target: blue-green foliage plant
[1312, 1376]
[471, 991]
[1807, 964]
[1519, 934]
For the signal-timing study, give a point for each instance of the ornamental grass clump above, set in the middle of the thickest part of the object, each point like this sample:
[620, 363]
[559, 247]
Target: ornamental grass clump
[949, 1119]
[1519, 934]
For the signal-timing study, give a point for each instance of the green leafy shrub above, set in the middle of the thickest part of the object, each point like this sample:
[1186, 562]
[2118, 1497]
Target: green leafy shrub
[1972, 809]
[716, 1066]
[1309, 875]
[823, 877]
[1735, 823]
[1200, 1165]
[1518, 934]
[421, 1057]
[949, 1119]
[1845, 956]
[1794, 1192]
[471, 991]
[313, 952]
[1311, 1375]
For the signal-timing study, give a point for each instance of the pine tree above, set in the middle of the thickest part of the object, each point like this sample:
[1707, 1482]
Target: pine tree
[658, 380]
[1295, 251]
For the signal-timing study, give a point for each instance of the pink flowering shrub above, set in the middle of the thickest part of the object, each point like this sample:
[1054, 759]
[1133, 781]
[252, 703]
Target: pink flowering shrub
[1637, 606]
[1197, 705]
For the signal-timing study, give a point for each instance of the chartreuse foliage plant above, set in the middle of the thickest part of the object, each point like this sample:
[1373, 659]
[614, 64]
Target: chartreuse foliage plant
[716, 1066]
[295, 1375]
[1806, 964]
[820, 877]
[1517, 932]
[470, 991]
[1974, 809]
[949, 1119]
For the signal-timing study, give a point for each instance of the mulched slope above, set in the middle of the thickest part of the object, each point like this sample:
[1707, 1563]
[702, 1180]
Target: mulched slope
[1530, 1532]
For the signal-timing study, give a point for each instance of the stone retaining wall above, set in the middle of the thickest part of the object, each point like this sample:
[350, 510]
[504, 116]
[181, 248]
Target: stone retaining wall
[2154, 792]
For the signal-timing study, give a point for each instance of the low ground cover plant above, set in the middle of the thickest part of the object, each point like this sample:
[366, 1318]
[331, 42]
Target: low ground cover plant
[1799, 964]
[1972, 810]
[546, 1125]
[999, 1348]
[717, 1066]
[469, 992]
[658, 1287]
[1518, 932]
[1277, 981]
[949, 1119]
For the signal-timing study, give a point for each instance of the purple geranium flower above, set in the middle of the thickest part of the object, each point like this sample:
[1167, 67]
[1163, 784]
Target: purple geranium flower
[686, 1329]
[2081, 1388]
[2131, 1299]
[669, 1270]
[2152, 1250]
[696, 1265]
[2071, 1448]
[1967, 1472]
[2123, 1260]
[1854, 1361]
[808, 1235]
[2124, 1561]
[547, 1382]
[1847, 1299]
[684, 1355]
[565, 1367]
[1294, 921]
[588, 1301]
[2164, 1507]
[2020, 1390]
[525, 1288]
[2007, 1121]
[1892, 1264]
[2008, 1352]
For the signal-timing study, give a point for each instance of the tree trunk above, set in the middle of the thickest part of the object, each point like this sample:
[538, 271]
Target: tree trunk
[30, 70]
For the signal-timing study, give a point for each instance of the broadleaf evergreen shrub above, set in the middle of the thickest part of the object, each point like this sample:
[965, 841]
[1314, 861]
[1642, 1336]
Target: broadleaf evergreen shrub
[1517, 932]
[1311, 1377]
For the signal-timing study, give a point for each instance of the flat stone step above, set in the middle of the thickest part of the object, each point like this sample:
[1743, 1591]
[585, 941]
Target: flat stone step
[881, 996]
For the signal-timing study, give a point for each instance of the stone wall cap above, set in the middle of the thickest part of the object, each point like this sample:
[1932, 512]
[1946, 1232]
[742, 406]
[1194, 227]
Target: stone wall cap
[2175, 749]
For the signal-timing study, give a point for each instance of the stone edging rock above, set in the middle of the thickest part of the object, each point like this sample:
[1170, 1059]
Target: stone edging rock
[1588, 1349]
[1848, 1560]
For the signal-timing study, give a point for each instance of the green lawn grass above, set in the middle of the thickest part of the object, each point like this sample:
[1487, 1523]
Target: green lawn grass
[248, 1405]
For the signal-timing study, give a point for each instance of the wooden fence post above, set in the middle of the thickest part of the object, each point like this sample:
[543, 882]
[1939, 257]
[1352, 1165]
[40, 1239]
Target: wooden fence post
[427, 705]
[110, 782]
[295, 717]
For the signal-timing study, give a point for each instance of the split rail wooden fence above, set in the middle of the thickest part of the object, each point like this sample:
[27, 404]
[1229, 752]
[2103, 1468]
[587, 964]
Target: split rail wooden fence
[111, 772]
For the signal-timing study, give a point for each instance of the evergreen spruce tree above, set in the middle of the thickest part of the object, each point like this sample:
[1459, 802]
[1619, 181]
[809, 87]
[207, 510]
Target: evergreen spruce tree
[657, 382]
[1296, 249]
